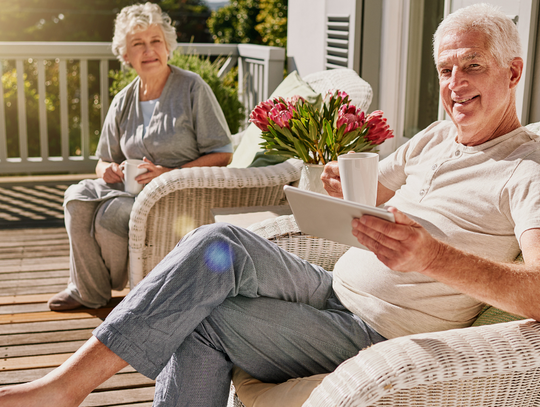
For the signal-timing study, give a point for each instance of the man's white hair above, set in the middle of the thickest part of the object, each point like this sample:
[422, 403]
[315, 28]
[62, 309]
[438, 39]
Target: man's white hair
[139, 17]
[502, 35]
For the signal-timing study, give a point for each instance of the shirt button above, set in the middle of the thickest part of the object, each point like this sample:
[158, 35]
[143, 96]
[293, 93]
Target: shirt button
[458, 153]
[434, 167]
[422, 192]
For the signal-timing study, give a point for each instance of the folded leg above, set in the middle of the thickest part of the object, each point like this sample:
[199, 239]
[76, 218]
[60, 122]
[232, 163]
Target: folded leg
[211, 264]
[273, 340]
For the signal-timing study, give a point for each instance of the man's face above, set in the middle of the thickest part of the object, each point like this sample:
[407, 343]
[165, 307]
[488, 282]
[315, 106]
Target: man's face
[476, 92]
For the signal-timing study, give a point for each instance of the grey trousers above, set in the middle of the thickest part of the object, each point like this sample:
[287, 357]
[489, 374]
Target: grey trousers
[225, 296]
[98, 238]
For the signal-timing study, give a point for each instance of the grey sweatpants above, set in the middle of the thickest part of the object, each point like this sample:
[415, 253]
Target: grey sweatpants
[98, 239]
[225, 296]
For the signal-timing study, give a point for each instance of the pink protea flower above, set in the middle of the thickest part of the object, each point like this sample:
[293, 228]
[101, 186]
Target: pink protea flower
[293, 100]
[281, 114]
[351, 116]
[339, 93]
[259, 115]
[379, 130]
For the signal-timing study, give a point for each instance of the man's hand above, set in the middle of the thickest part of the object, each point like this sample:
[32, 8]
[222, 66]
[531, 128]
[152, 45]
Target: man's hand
[331, 180]
[402, 246]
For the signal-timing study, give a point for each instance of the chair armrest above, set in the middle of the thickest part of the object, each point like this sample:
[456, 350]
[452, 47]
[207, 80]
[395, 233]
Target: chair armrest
[479, 366]
[284, 231]
[183, 199]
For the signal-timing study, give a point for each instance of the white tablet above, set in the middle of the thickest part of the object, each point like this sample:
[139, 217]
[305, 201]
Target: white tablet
[327, 217]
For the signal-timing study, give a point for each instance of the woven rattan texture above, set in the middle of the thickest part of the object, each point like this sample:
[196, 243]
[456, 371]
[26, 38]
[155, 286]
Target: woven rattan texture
[346, 80]
[179, 201]
[495, 365]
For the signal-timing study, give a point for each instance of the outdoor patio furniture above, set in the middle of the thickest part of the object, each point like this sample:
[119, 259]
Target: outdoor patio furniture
[486, 365]
[179, 201]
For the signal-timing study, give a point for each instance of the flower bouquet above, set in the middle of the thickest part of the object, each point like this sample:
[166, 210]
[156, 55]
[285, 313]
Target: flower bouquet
[294, 128]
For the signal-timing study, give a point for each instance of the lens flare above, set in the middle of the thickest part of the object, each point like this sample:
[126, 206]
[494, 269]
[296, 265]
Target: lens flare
[183, 225]
[218, 257]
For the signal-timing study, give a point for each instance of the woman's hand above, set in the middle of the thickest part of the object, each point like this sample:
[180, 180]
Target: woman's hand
[152, 172]
[110, 172]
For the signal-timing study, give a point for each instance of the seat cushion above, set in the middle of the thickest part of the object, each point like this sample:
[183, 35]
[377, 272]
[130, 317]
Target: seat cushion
[292, 393]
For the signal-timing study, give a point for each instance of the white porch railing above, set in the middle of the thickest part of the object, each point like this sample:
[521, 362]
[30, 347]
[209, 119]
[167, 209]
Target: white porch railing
[260, 71]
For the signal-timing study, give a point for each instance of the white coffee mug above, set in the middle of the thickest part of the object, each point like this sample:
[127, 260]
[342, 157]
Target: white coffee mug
[359, 173]
[130, 171]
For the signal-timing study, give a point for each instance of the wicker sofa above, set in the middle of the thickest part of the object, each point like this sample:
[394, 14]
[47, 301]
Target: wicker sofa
[489, 365]
[180, 200]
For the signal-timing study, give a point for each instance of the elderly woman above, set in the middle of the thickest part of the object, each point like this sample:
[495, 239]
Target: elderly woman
[167, 117]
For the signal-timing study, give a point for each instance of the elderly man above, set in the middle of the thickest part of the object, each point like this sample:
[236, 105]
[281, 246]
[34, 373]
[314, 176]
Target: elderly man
[467, 206]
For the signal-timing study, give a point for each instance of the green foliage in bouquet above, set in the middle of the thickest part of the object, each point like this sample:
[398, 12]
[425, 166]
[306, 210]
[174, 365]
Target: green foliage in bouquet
[295, 128]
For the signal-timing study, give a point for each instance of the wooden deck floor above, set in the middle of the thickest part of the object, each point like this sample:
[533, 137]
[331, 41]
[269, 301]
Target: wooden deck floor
[33, 340]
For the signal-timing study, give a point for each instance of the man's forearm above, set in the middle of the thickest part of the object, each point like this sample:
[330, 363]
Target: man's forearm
[512, 287]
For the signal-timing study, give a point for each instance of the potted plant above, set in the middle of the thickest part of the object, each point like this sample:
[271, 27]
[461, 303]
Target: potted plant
[295, 128]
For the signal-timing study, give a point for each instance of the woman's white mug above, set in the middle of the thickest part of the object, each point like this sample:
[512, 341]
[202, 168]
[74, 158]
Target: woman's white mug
[130, 170]
[359, 175]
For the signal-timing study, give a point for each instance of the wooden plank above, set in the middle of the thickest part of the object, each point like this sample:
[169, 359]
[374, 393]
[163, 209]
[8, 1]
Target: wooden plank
[24, 376]
[13, 266]
[37, 298]
[111, 398]
[49, 326]
[23, 308]
[55, 316]
[45, 337]
[51, 290]
[19, 351]
[32, 254]
[34, 264]
[31, 275]
[37, 282]
[33, 362]
[52, 241]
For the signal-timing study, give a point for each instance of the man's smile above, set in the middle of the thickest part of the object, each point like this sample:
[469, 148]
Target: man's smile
[464, 100]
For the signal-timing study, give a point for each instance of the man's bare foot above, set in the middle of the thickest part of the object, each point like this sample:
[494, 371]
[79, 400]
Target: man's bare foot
[39, 393]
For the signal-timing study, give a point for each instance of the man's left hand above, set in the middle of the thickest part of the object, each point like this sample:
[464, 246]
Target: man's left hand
[402, 246]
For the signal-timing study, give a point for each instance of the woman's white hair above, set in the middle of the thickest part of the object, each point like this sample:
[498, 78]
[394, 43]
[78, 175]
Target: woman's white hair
[502, 35]
[139, 17]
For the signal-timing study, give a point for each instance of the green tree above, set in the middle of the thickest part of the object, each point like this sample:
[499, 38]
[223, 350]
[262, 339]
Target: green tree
[272, 21]
[91, 20]
[235, 23]
[250, 21]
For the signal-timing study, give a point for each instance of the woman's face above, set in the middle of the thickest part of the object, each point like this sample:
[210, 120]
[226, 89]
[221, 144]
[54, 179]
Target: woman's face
[146, 51]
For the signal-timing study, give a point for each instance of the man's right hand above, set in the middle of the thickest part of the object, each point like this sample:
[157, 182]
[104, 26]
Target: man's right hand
[331, 180]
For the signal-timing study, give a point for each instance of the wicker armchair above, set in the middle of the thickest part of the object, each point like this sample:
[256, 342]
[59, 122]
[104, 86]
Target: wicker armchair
[179, 201]
[491, 365]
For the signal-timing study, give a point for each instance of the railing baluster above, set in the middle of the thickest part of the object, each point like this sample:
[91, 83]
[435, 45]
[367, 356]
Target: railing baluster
[260, 69]
[104, 87]
[85, 123]
[242, 91]
[42, 111]
[64, 120]
[3, 138]
[21, 108]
